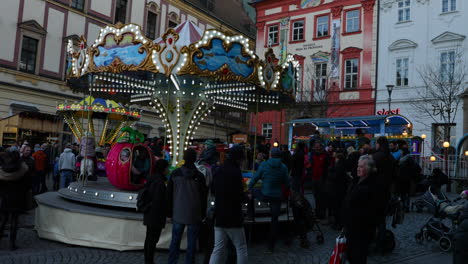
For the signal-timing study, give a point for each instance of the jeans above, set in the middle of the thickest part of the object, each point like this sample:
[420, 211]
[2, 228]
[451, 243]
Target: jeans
[66, 176]
[275, 211]
[192, 236]
[152, 238]
[237, 236]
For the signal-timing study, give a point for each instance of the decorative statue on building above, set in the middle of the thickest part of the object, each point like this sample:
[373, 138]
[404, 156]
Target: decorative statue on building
[88, 155]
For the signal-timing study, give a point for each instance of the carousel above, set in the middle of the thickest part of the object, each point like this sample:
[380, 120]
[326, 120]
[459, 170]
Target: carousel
[182, 76]
[110, 115]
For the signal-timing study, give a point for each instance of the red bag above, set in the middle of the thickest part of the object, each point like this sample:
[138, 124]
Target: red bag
[338, 255]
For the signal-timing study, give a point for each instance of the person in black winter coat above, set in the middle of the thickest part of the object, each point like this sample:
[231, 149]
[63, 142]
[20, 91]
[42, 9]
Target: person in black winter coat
[154, 217]
[408, 172]
[297, 167]
[360, 220]
[386, 171]
[14, 185]
[286, 157]
[228, 189]
[187, 203]
[335, 188]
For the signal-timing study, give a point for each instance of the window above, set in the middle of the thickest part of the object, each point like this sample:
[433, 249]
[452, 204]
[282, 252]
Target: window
[351, 73]
[28, 55]
[151, 22]
[298, 30]
[209, 4]
[272, 35]
[322, 26]
[352, 21]
[78, 4]
[449, 5]
[402, 72]
[447, 65]
[320, 76]
[404, 10]
[172, 24]
[121, 11]
[267, 130]
[172, 20]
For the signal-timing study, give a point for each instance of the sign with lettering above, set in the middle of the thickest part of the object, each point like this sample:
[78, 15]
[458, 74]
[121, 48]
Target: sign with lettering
[309, 46]
[392, 112]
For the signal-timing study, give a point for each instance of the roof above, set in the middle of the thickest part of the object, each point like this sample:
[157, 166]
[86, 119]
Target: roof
[371, 124]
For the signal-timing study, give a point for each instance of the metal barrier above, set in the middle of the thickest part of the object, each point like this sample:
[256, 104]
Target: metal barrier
[456, 168]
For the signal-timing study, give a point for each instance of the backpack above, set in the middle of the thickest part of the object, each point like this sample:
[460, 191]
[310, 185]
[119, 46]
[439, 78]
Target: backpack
[144, 200]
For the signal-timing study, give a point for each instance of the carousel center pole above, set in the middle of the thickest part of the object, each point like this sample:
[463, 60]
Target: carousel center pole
[255, 136]
[85, 160]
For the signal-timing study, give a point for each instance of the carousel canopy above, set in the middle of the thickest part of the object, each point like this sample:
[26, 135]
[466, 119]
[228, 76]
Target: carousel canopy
[188, 33]
[116, 111]
[222, 69]
[369, 124]
[181, 75]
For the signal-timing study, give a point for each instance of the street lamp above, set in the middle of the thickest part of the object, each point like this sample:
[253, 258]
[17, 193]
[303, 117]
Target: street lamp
[446, 145]
[423, 136]
[466, 153]
[390, 90]
[433, 158]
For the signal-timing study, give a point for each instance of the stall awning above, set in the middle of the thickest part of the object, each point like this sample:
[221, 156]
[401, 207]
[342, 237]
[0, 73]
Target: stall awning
[370, 124]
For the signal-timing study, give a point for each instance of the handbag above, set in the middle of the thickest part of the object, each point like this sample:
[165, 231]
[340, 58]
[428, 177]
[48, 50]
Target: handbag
[338, 254]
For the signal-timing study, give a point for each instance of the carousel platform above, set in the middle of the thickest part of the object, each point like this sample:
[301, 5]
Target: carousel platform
[100, 192]
[93, 225]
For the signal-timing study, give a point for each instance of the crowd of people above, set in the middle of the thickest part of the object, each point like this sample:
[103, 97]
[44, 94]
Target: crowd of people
[351, 188]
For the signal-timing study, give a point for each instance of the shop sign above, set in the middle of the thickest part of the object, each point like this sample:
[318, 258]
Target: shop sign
[385, 112]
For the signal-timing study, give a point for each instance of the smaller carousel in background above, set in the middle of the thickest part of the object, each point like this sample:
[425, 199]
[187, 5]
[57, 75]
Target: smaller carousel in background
[92, 112]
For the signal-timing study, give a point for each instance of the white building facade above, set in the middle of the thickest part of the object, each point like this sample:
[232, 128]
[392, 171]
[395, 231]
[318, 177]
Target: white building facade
[34, 34]
[416, 36]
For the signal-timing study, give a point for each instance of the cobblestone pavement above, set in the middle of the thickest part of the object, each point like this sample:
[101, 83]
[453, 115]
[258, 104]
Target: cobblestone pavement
[32, 249]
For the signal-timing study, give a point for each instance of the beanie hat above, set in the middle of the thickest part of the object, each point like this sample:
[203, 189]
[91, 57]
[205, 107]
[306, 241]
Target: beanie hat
[275, 153]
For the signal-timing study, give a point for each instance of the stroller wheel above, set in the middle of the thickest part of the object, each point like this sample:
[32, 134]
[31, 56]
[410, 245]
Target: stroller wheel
[445, 243]
[419, 237]
[320, 239]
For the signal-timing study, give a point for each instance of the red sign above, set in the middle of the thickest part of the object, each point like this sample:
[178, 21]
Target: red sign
[385, 112]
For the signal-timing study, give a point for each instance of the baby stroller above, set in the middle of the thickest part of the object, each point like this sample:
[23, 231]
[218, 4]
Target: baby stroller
[435, 229]
[304, 210]
[437, 179]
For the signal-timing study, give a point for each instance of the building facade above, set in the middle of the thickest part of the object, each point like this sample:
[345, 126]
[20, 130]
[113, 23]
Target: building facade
[335, 44]
[423, 53]
[34, 34]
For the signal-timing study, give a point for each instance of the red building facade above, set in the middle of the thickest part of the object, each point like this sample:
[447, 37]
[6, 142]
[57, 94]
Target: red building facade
[335, 44]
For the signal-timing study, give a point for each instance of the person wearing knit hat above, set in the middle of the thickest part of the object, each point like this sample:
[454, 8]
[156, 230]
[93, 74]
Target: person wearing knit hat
[274, 176]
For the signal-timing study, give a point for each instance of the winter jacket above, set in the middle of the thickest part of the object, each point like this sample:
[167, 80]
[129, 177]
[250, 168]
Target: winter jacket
[386, 172]
[228, 191]
[87, 147]
[187, 195]
[359, 208]
[297, 165]
[319, 165]
[336, 182]
[13, 189]
[41, 161]
[408, 170]
[286, 159]
[67, 160]
[156, 215]
[274, 175]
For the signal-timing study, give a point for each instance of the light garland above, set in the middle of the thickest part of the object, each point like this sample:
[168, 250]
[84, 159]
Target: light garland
[212, 33]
